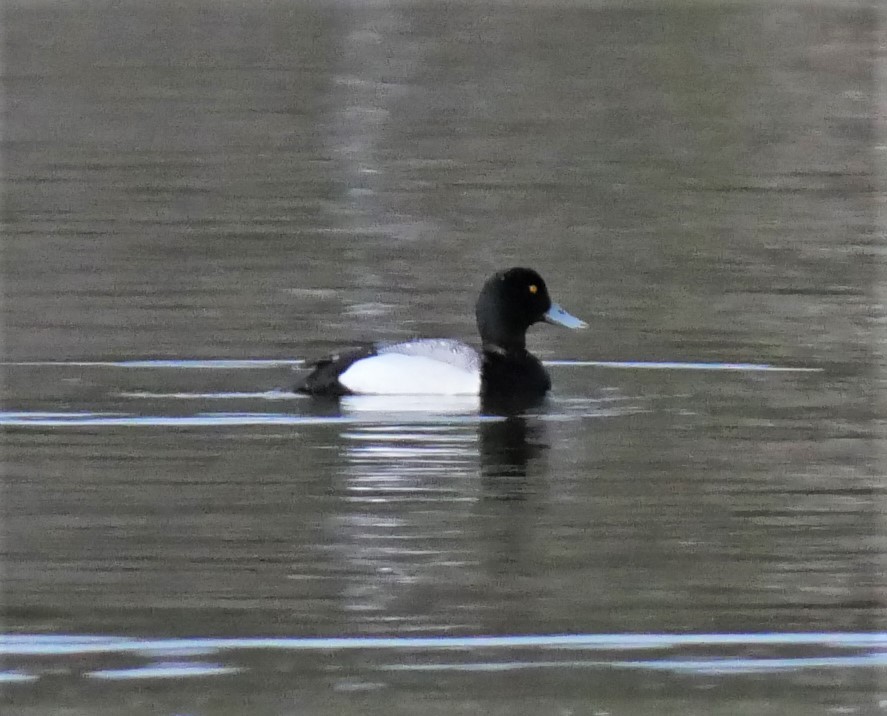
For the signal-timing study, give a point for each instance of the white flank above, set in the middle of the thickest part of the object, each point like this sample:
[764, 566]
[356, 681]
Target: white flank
[399, 374]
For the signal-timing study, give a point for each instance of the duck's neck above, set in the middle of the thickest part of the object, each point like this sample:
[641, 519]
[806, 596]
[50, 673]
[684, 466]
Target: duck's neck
[500, 330]
[504, 346]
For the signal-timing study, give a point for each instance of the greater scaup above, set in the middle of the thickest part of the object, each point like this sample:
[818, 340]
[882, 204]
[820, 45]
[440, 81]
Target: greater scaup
[510, 302]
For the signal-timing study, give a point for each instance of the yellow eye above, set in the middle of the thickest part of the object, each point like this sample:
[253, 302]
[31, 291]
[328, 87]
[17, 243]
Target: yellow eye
[534, 288]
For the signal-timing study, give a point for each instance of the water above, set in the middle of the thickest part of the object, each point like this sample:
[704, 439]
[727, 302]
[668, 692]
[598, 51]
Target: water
[198, 199]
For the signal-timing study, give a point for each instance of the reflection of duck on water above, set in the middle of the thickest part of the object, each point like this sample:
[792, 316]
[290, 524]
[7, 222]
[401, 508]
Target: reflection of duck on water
[512, 496]
[506, 449]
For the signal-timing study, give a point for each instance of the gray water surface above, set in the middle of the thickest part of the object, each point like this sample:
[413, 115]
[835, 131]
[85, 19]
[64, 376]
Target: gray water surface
[200, 198]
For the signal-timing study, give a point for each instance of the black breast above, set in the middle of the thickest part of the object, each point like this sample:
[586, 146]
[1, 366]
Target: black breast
[512, 381]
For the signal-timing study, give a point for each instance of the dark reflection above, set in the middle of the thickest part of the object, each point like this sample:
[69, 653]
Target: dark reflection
[511, 484]
[506, 449]
[509, 401]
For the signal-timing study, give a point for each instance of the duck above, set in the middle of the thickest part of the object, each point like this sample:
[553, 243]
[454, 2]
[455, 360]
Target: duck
[510, 302]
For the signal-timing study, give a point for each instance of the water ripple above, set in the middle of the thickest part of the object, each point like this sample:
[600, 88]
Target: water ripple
[44, 645]
[170, 658]
[163, 670]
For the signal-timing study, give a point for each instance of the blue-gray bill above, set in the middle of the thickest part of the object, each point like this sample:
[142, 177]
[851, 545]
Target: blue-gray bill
[559, 316]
